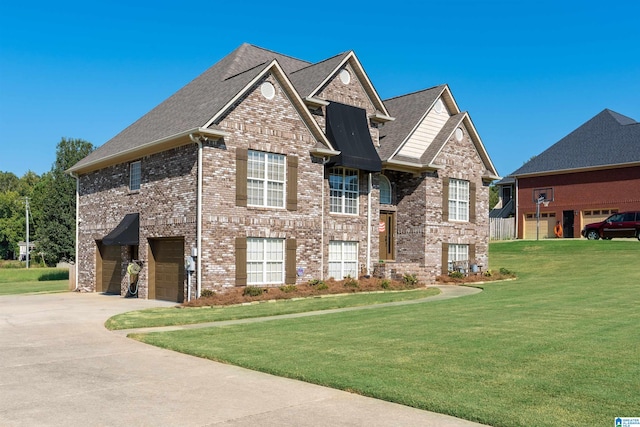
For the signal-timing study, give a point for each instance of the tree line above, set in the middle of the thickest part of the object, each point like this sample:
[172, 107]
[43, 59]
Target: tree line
[52, 207]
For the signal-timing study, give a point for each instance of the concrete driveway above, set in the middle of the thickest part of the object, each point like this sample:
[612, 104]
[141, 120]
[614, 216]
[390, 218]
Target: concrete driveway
[59, 366]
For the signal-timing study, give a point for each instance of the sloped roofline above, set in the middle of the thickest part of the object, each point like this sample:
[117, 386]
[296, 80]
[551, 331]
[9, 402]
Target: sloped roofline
[576, 170]
[362, 75]
[422, 117]
[292, 94]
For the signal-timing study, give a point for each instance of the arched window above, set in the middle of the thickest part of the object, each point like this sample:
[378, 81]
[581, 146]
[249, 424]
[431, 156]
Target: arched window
[385, 190]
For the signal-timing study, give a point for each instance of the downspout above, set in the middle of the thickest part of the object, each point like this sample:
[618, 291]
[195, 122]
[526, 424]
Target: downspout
[198, 220]
[325, 160]
[369, 187]
[517, 202]
[77, 178]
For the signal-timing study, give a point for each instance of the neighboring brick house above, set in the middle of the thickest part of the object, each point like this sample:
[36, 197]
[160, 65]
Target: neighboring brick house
[271, 170]
[583, 178]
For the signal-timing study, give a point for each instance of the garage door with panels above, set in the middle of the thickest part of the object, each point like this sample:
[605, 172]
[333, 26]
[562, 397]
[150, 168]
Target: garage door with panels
[166, 269]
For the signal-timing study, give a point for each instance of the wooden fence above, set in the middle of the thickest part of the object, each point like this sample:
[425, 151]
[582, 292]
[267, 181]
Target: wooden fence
[502, 228]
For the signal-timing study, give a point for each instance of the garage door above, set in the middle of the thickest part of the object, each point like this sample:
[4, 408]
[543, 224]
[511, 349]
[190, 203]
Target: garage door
[596, 215]
[108, 269]
[547, 222]
[166, 269]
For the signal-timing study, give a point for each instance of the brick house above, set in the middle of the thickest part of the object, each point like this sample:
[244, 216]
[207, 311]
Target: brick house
[271, 170]
[586, 176]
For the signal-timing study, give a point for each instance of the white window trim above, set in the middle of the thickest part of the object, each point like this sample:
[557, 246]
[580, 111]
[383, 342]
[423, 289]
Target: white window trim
[131, 175]
[388, 183]
[265, 262]
[343, 258]
[265, 180]
[457, 252]
[458, 203]
[343, 191]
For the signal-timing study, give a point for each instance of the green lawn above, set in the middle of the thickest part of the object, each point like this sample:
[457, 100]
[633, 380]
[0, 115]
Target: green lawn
[557, 347]
[184, 316]
[21, 280]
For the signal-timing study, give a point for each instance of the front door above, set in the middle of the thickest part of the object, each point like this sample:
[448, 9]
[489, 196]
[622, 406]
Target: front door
[567, 223]
[387, 228]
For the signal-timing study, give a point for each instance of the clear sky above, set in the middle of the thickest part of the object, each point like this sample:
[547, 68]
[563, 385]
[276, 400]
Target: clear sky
[528, 72]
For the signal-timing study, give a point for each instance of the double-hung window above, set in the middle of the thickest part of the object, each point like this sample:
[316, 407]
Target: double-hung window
[344, 190]
[265, 261]
[458, 200]
[343, 259]
[266, 179]
[458, 256]
[135, 176]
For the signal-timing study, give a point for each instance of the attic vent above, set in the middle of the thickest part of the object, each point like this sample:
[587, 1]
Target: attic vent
[459, 134]
[345, 77]
[439, 107]
[267, 90]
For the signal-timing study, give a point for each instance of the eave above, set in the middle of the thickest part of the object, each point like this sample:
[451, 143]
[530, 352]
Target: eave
[411, 167]
[378, 117]
[576, 170]
[148, 148]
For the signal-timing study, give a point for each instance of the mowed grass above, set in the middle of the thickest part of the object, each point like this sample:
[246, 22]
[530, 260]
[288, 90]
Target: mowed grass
[21, 280]
[170, 316]
[559, 346]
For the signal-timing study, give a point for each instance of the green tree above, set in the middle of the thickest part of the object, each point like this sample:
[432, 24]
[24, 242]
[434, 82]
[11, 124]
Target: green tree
[54, 202]
[494, 196]
[12, 223]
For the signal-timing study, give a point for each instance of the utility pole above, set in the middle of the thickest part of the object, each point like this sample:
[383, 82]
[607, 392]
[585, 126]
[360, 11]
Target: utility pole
[26, 205]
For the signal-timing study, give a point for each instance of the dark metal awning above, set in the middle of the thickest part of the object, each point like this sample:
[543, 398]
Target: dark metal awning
[126, 233]
[348, 130]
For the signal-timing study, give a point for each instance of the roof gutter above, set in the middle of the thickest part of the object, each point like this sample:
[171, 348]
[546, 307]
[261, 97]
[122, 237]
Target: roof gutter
[148, 148]
[404, 166]
[574, 170]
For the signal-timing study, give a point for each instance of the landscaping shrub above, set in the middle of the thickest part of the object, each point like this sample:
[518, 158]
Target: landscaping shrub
[253, 291]
[410, 280]
[456, 275]
[350, 282]
[385, 283]
[288, 288]
[207, 293]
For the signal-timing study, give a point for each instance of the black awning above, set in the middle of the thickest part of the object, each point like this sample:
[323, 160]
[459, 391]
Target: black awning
[126, 233]
[348, 131]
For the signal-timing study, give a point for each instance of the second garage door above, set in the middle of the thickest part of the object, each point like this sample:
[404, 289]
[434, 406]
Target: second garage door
[166, 269]
[547, 222]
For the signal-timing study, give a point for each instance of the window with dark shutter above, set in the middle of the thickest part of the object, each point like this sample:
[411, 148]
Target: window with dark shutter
[445, 259]
[292, 183]
[445, 199]
[241, 177]
[472, 202]
[241, 261]
[290, 262]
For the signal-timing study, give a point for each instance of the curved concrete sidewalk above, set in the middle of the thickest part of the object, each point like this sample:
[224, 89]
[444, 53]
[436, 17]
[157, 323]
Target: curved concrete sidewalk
[59, 366]
[446, 292]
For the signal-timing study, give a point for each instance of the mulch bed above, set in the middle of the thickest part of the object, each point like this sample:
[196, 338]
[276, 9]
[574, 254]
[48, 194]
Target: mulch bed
[230, 296]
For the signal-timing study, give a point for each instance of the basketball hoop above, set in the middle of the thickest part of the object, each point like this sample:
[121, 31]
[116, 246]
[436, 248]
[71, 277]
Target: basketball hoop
[545, 203]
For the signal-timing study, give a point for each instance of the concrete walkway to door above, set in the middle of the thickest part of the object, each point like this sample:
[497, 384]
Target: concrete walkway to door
[59, 366]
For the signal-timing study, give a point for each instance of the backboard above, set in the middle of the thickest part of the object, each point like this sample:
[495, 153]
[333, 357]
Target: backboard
[541, 195]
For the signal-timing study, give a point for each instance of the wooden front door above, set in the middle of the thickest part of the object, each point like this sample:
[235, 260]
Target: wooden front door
[387, 230]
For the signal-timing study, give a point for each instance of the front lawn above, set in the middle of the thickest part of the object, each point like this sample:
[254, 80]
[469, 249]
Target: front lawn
[21, 280]
[558, 346]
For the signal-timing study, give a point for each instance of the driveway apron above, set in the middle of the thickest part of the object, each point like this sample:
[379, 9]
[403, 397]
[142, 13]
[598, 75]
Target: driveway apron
[59, 366]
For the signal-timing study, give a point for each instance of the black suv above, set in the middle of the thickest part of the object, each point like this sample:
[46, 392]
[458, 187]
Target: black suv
[623, 224]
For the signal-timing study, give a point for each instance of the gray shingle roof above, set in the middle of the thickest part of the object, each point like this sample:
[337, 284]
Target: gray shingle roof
[197, 102]
[607, 139]
[306, 79]
[408, 110]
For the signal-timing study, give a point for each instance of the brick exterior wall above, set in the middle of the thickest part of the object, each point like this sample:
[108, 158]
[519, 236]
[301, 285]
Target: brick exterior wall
[617, 188]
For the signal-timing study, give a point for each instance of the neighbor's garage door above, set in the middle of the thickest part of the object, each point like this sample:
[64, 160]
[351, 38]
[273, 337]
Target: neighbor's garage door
[108, 269]
[166, 269]
[547, 222]
[596, 215]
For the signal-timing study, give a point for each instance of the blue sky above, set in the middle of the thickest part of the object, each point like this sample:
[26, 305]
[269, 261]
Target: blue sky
[528, 73]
